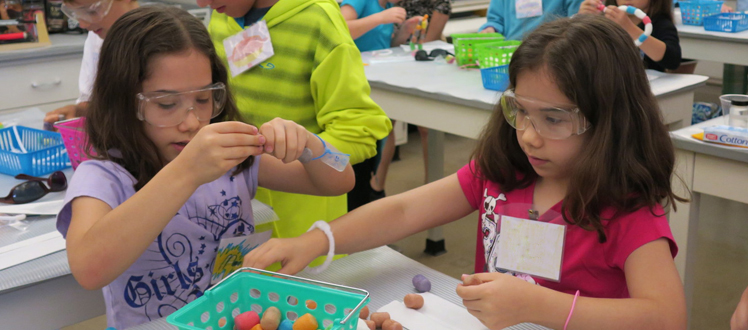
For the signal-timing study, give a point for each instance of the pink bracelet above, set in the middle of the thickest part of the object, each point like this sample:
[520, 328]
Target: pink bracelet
[573, 303]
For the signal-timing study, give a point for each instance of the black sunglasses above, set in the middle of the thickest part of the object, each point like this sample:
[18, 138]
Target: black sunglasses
[422, 55]
[35, 188]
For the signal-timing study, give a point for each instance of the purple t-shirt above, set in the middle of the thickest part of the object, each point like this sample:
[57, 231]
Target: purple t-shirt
[176, 267]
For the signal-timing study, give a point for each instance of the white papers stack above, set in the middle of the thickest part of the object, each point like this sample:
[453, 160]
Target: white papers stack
[436, 314]
[30, 249]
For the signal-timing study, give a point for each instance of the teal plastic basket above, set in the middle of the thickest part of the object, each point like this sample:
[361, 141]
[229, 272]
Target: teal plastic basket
[694, 12]
[337, 306]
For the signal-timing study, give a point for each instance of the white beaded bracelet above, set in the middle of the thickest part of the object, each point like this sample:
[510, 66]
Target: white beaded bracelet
[325, 228]
[639, 14]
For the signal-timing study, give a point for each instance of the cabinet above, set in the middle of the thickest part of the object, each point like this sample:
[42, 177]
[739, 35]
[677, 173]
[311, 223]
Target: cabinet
[46, 82]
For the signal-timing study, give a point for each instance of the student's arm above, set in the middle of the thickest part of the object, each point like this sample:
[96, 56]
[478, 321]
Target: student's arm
[103, 242]
[739, 320]
[495, 19]
[349, 118]
[280, 171]
[657, 300]
[383, 221]
[359, 26]
[67, 112]
[436, 26]
[665, 51]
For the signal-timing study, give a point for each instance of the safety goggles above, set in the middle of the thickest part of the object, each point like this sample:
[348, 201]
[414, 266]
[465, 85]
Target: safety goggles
[548, 120]
[167, 109]
[422, 55]
[35, 188]
[92, 13]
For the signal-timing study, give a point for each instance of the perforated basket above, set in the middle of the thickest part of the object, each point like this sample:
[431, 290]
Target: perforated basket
[496, 53]
[496, 78]
[25, 150]
[726, 22]
[74, 137]
[694, 12]
[337, 306]
[465, 45]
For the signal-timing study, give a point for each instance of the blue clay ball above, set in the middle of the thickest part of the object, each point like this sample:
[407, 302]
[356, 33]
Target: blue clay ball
[421, 283]
[285, 325]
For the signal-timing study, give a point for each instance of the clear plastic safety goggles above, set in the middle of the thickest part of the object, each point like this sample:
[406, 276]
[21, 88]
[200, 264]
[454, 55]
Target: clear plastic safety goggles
[548, 120]
[167, 109]
[92, 13]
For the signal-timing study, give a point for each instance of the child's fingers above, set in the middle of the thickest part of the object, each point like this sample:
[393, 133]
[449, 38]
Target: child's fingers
[292, 143]
[468, 293]
[238, 139]
[269, 133]
[279, 147]
[240, 153]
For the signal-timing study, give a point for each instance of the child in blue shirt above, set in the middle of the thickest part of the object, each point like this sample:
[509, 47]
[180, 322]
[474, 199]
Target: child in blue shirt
[372, 23]
[504, 18]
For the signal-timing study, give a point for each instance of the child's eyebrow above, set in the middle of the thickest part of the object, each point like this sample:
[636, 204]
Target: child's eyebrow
[173, 91]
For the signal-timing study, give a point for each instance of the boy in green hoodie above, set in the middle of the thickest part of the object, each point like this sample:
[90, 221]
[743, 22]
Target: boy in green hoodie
[315, 78]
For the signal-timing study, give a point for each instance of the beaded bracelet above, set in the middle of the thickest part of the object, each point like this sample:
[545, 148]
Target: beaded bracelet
[639, 14]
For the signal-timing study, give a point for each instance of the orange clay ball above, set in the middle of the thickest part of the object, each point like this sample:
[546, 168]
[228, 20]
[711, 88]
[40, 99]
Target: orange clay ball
[371, 324]
[257, 327]
[364, 313]
[305, 322]
[271, 318]
[413, 301]
[391, 325]
[311, 304]
[379, 318]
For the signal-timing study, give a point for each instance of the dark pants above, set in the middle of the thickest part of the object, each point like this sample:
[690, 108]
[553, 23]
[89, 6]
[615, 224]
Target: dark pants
[361, 193]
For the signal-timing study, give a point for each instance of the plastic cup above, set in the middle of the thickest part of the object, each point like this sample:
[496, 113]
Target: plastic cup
[726, 101]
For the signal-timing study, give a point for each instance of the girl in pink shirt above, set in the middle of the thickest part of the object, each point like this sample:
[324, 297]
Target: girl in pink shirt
[576, 142]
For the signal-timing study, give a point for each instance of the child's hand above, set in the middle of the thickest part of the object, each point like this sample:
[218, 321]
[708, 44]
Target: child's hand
[590, 7]
[393, 15]
[622, 19]
[739, 320]
[726, 8]
[489, 29]
[293, 253]
[217, 148]
[286, 140]
[410, 25]
[497, 300]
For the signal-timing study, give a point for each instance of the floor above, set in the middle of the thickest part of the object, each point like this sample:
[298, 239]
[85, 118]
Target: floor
[722, 254]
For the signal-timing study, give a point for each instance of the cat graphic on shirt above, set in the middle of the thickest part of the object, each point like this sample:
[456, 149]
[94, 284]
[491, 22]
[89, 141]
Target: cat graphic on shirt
[491, 234]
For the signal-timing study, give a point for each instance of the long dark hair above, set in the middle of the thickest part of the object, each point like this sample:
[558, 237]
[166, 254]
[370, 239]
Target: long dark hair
[628, 159]
[136, 38]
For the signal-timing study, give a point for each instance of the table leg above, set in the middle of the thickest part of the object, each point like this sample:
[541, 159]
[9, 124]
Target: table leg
[435, 241]
[684, 224]
[734, 79]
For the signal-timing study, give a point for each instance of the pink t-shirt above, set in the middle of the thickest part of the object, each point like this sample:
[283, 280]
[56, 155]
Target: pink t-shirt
[593, 268]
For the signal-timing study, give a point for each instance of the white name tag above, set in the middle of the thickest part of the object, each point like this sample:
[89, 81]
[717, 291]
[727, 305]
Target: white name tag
[248, 48]
[528, 8]
[531, 247]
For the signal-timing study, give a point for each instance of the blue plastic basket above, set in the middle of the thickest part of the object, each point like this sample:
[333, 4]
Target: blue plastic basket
[496, 78]
[694, 12]
[726, 22]
[336, 306]
[25, 150]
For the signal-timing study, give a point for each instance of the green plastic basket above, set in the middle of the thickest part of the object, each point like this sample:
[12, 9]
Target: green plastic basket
[465, 45]
[337, 306]
[495, 54]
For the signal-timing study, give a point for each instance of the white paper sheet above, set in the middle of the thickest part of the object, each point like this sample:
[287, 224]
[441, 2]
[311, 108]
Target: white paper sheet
[31, 249]
[436, 314]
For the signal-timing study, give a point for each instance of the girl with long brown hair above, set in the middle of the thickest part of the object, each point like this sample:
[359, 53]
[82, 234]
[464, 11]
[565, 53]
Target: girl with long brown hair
[175, 170]
[568, 178]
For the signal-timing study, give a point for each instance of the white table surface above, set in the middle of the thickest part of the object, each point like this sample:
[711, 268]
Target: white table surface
[385, 273]
[725, 47]
[702, 168]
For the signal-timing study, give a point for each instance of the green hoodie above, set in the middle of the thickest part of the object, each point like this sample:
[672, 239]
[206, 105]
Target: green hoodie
[316, 78]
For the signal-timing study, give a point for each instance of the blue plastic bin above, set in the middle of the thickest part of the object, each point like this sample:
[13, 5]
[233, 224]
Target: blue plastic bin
[44, 151]
[496, 78]
[726, 22]
[694, 12]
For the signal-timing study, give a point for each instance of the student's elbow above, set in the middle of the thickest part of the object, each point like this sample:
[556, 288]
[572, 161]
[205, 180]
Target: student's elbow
[88, 276]
[347, 182]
